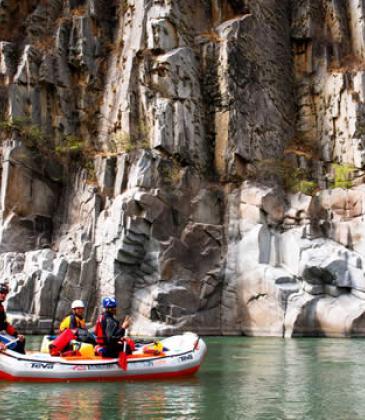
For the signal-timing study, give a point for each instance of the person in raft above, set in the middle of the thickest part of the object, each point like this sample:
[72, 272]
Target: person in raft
[72, 327]
[110, 332]
[76, 318]
[75, 321]
[8, 328]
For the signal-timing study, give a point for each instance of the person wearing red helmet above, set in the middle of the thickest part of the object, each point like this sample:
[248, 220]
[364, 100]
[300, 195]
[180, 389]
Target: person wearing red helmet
[109, 331]
[6, 327]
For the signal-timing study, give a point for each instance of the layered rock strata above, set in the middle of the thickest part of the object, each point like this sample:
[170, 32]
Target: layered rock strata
[188, 158]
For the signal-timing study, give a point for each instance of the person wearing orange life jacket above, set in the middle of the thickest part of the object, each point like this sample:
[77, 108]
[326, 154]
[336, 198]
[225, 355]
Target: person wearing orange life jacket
[73, 327]
[110, 332]
[76, 318]
[5, 326]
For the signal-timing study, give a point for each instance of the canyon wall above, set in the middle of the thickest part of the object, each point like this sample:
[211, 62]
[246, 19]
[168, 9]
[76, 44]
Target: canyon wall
[200, 160]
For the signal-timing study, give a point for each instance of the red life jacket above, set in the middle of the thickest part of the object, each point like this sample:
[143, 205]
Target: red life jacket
[107, 330]
[59, 343]
[99, 331]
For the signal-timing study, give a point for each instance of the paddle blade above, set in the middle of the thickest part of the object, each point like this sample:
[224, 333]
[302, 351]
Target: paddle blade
[122, 361]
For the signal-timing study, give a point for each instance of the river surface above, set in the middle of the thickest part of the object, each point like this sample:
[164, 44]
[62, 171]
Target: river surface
[241, 378]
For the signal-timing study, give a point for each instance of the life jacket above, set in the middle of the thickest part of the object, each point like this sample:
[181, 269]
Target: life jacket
[72, 321]
[155, 348]
[99, 330]
[107, 331]
[60, 342]
[4, 325]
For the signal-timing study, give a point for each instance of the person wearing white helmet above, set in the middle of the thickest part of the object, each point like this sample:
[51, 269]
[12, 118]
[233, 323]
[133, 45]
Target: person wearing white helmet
[76, 318]
[72, 327]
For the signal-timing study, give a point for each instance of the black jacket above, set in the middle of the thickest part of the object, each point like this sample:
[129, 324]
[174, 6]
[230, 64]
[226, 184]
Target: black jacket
[4, 325]
[111, 332]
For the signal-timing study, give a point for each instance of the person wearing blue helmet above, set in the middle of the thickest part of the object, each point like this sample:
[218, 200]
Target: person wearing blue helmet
[109, 331]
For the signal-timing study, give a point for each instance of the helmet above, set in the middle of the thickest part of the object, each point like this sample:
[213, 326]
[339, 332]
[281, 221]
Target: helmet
[77, 304]
[109, 302]
[4, 288]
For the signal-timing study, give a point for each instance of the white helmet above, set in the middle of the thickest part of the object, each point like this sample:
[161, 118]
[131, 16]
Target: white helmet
[77, 304]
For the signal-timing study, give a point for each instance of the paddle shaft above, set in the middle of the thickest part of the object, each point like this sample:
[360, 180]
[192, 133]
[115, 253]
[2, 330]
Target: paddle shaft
[6, 335]
[125, 341]
[11, 342]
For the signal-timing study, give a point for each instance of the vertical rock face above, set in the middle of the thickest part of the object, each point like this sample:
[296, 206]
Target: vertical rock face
[200, 160]
[254, 105]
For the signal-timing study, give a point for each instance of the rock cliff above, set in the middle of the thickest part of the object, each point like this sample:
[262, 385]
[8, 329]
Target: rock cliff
[203, 161]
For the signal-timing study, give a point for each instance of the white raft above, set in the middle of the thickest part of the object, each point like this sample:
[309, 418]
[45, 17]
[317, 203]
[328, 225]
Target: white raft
[184, 357]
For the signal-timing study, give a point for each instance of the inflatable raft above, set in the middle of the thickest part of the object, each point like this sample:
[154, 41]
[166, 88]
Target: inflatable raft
[182, 355]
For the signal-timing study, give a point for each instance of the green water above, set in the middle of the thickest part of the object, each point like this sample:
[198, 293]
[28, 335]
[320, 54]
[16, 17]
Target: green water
[241, 378]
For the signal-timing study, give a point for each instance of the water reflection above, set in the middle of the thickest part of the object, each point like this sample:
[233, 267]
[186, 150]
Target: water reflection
[330, 377]
[130, 400]
[288, 379]
[253, 378]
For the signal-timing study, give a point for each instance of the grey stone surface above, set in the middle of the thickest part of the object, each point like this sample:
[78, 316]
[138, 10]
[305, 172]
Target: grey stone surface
[201, 161]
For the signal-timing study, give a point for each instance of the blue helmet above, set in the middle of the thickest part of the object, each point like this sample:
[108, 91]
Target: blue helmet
[4, 288]
[109, 302]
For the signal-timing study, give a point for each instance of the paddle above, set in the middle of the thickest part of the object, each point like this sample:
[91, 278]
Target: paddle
[122, 359]
[9, 344]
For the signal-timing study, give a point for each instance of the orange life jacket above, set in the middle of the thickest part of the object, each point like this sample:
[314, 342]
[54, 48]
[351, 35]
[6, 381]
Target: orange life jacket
[72, 321]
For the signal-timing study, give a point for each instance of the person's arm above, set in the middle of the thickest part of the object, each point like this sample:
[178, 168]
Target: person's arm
[119, 333]
[111, 330]
[122, 327]
[11, 330]
[65, 324]
[3, 325]
[2, 318]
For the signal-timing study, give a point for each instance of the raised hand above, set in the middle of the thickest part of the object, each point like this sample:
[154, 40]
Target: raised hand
[126, 322]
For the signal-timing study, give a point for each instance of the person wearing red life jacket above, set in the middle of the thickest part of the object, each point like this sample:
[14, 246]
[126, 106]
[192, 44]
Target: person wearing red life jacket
[6, 327]
[109, 331]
